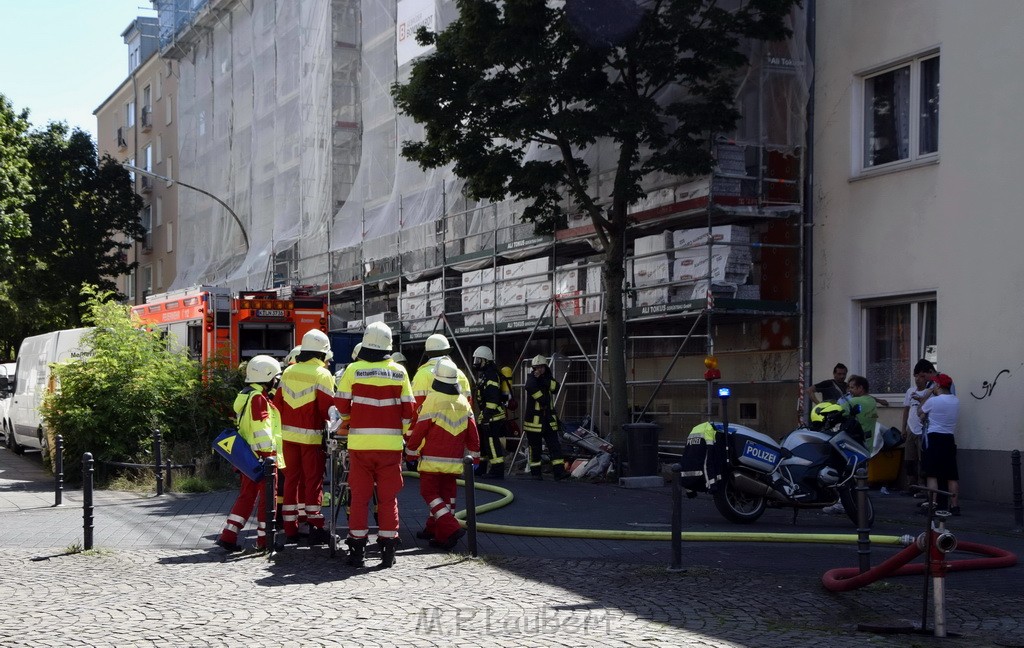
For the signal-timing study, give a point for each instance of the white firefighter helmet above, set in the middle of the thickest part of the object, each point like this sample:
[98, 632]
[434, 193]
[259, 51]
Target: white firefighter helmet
[356, 349]
[262, 369]
[446, 372]
[436, 342]
[316, 341]
[539, 361]
[294, 353]
[484, 353]
[377, 336]
[398, 356]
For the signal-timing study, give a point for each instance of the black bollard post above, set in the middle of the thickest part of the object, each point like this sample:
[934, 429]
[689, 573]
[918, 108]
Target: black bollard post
[87, 507]
[158, 461]
[270, 503]
[58, 471]
[168, 480]
[1018, 498]
[468, 476]
[677, 519]
[863, 530]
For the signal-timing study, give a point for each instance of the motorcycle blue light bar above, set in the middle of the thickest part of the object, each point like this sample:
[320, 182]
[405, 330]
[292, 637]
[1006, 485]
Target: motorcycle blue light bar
[724, 392]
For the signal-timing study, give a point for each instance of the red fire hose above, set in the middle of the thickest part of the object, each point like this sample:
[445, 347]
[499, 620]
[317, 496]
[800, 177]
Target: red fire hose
[844, 579]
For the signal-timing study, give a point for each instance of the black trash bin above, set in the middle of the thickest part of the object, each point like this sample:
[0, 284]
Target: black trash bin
[642, 448]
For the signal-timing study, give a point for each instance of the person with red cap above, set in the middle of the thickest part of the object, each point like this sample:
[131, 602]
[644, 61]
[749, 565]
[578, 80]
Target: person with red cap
[445, 431]
[939, 411]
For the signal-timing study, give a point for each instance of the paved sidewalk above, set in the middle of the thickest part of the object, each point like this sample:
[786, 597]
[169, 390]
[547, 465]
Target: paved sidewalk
[157, 580]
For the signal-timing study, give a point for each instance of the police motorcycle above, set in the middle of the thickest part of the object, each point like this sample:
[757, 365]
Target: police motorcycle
[812, 467]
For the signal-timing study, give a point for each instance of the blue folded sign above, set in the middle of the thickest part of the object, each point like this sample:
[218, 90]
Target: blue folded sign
[230, 445]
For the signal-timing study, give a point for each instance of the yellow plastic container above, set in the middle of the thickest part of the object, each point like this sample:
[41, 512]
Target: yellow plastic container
[885, 466]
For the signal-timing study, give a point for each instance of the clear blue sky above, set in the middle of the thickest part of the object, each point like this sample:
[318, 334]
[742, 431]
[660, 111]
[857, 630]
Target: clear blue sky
[62, 58]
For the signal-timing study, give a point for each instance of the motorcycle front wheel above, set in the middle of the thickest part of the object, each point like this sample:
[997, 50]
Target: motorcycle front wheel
[849, 499]
[736, 505]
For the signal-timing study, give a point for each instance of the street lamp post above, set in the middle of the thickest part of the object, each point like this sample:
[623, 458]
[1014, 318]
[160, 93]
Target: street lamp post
[223, 204]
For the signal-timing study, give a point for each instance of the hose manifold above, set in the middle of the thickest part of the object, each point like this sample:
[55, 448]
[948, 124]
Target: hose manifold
[944, 542]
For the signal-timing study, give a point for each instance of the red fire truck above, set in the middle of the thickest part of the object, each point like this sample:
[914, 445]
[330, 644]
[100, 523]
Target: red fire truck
[212, 323]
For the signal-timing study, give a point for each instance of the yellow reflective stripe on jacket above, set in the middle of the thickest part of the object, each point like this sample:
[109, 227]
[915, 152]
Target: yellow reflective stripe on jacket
[423, 381]
[300, 383]
[375, 439]
[449, 465]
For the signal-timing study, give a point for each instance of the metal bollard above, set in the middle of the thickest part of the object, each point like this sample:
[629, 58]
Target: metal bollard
[87, 507]
[58, 471]
[677, 519]
[270, 502]
[1018, 498]
[863, 529]
[158, 461]
[469, 477]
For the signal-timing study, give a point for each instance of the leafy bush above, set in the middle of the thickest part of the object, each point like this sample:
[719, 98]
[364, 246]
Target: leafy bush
[110, 402]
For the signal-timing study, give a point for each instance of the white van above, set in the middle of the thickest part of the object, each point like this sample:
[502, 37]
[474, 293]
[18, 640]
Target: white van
[6, 396]
[33, 379]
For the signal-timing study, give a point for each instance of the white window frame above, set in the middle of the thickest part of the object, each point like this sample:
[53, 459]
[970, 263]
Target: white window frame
[147, 279]
[170, 237]
[860, 130]
[159, 273]
[129, 285]
[158, 211]
[148, 155]
[922, 342]
[170, 170]
[129, 113]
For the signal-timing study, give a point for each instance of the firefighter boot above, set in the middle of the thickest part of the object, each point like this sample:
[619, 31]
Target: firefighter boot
[535, 473]
[559, 471]
[356, 547]
[387, 552]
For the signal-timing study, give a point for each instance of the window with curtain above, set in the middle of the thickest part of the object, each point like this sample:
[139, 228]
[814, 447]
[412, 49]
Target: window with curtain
[901, 113]
[896, 335]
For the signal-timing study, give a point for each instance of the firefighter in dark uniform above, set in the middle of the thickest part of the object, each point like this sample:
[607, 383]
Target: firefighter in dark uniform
[539, 420]
[491, 395]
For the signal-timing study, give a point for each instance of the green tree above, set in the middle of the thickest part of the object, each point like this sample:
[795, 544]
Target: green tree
[657, 79]
[133, 382]
[15, 191]
[84, 216]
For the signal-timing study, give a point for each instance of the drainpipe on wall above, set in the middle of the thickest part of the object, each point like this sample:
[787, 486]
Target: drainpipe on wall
[808, 217]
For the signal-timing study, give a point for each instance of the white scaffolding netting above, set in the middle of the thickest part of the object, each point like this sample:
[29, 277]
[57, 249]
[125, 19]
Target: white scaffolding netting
[285, 111]
[254, 104]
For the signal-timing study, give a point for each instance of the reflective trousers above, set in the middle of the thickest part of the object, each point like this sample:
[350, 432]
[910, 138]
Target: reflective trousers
[303, 486]
[251, 494]
[369, 469]
[438, 491]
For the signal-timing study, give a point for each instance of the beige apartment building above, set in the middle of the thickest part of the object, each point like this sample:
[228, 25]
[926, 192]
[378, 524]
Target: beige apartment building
[136, 125]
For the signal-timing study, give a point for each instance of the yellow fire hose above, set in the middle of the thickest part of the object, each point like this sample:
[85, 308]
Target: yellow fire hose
[611, 534]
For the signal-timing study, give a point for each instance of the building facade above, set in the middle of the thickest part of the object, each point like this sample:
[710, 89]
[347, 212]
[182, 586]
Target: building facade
[915, 211]
[285, 111]
[137, 125]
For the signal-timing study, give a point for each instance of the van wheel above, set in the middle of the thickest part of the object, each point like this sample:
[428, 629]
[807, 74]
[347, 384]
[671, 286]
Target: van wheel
[13, 445]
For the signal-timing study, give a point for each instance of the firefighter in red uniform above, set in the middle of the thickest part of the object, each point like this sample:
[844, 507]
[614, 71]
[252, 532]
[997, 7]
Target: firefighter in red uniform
[375, 399]
[444, 432]
[260, 425]
[304, 398]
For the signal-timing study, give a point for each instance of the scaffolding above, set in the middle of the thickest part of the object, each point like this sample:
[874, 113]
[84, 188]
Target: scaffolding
[286, 109]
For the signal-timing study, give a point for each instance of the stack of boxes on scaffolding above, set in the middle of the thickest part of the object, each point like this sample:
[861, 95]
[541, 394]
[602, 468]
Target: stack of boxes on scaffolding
[423, 301]
[675, 266]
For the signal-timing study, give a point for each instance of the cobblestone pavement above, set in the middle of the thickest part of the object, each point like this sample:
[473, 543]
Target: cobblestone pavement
[156, 579]
[189, 598]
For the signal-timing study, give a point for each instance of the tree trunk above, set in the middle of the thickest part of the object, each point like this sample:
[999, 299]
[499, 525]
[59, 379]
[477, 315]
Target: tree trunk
[613, 274]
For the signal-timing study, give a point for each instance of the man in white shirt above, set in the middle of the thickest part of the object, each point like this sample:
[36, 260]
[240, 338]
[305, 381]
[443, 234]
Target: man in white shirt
[941, 409]
[912, 426]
